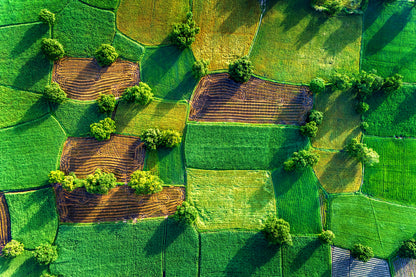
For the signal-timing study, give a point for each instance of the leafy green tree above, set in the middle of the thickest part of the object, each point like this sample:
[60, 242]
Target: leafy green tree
[141, 94]
[70, 182]
[366, 83]
[362, 253]
[46, 274]
[364, 126]
[186, 213]
[105, 55]
[363, 153]
[56, 176]
[47, 17]
[241, 69]
[54, 93]
[106, 103]
[327, 236]
[13, 249]
[100, 182]
[315, 116]
[151, 138]
[183, 34]
[277, 231]
[200, 68]
[317, 85]
[103, 129]
[52, 49]
[392, 83]
[408, 249]
[145, 182]
[309, 129]
[362, 107]
[46, 254]
[341, 81]
[170, 138]
[301, 160]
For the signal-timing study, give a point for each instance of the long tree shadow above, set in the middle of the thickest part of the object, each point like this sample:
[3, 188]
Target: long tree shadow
[341, 37]
[304, 255]
[310, 31]
[301, 8]
[229, 26]
[169, 230]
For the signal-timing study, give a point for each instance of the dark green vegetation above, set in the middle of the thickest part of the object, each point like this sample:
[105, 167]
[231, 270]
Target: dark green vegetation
[13, 249]
[238, 146]
[309, 129]
[105, 55]
[317, 85]
[145, 182]
[54, 94]
[361, 252]
[327, 236]
[47, 17]
[100, 182]
[33, 216]
[186, 213]
[104, 4]
[23, 265]
[200, 68]
[408, 249]
[183, 34]
[361, 152]
[45, 253]
[241, 69]
[106, 103]
[301, 160]
[52, 49]
[154, 138]
[277, 231]
[141, 94]
[103, 129]
[128, 48]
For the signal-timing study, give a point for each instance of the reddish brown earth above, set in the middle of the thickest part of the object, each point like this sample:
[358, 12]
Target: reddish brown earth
[121, 155]
[119, 204]
[84, 79]
[5, 235]
[220, 99]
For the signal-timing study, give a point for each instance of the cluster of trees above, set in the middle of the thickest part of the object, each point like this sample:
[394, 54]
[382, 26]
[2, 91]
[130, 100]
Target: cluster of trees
[361, 252]
[154, 138]
[105, 55]
[183, 34]
[140, 94]
[310, 129]
[103, 129]
[186, 213]
[241, 69]
[200, 68]
[54, 94]
[145, 182]
[300, 160]
[277, 231]
[47, 17]
[363, 153]
[408, 249]
[44, 254]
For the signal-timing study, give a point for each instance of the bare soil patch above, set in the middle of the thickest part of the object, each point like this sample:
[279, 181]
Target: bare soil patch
[5, 230]
[120, 203]
[220, 99]
[84, 79]
[121, 155]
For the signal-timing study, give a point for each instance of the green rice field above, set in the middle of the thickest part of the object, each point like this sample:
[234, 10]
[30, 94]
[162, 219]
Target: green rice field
[127, 48]
[23, 265]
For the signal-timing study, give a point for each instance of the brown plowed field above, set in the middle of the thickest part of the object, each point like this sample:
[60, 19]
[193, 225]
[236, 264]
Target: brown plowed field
[84, 79]
[219, 99]
[121, 155]
[119, 204]
[5, 235]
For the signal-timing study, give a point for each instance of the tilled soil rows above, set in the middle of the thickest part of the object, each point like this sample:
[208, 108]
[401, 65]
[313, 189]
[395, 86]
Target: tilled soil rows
[5, 230]
[220, 99]
[84, 79]
[120, 203]
[121, 155]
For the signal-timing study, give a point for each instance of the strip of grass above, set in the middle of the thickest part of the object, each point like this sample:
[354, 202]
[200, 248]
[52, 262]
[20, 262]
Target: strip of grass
[394, 177]
[82, 29]
[227, 30]
[307, 257]
[15, 12]
[28, 152]
[298, 200]
[231, 198]
[23, 265]
[33, 216]
[134, 119]
[237, 253]
[103, 4]
[150, 22]
[388, 39]
[128, 48]
[338, 172]
[238, 146]
[296, 44]
[77, 116]
[19, 106]
[394, 114]
[380, 225]
[341, 122]
[168, 71]
[22, 63]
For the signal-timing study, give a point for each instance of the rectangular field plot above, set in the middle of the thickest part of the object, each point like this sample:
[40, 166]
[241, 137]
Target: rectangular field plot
[84, 79]
[231, 198]
[238, 253]
[394, 177]
[121, 155]
[298, 200]
[359, 219]
[389, 45]
[119, 204]
[133, 119]
[232, 146]
[220, 99]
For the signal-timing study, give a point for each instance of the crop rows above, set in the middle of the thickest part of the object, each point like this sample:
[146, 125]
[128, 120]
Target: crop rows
[5, 235]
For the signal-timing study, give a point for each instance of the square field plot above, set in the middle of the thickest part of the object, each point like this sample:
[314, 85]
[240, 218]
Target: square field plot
[231, 198]
[389, 43]
[296, 44]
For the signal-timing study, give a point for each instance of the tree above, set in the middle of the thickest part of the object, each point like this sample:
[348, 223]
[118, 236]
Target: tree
[326, 236]
[200, 68]
[186, 213]
[408, 249]
[362, 253]
[317, 85]
[241, 69]
[170, 138]
[56, 176]
[45, 274]
[52, 49]
[100, 182]
[301, 160]
[366, 83]
[103, 129]
[69, 183]
[106, 103]
[277, 231]
[363, 153]
[341, 81]
[13, 249]
[392, 83]
[151, 138]
[46, 254]
[144, 182]
[362, 107]
[315, 116]
[47, 17]
[141, 94]
[105, 55]
[54, 93]
[309, 129]
[183, 34]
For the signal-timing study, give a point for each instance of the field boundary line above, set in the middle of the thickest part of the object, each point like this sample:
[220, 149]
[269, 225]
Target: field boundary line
[60, 125]
[263, 7]
[26, 122]
[16, 88]
[377, 227]
[27, 189]
[20, 24]
[104, 9]
[392, 137]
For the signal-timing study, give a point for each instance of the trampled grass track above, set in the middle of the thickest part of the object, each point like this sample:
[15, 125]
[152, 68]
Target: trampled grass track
[220, 99]
[5, 230]
[121, 155]
[84, 79]
[120, 203]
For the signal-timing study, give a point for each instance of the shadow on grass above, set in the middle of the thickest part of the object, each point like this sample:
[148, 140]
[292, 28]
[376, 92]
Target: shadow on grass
[229, 25]
[168, 230]
[340, 39]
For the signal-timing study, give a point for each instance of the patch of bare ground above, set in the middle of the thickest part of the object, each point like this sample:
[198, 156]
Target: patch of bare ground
[5, 230]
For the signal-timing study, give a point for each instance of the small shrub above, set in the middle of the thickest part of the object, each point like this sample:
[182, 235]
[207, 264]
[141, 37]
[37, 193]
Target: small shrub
[141, 94]
[408, 249]
[46, 254]
[317, 85]
[103, 129]
[364, 126]
[56, 176]
[309, 129]
[54, 93]
[183, 34]
[100, 182]
[106, 103]
[186, 213]
[106, 55]
[47, 17]
[301, 160]
[13, 249]
[241, 69]
[200, 68]
[170, 138]
[144, 182]
[315, 116]
[362, 253]
[326, 236]
[277, 231]
[392, 83]
[362, 107]
[363, 153]
[52, 49]
[341, 81]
